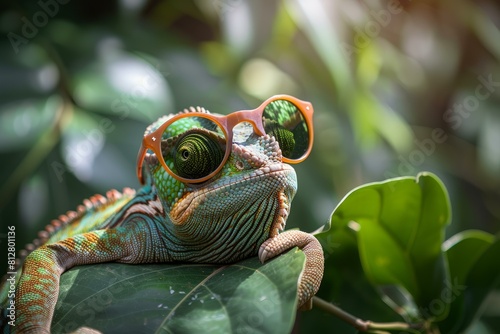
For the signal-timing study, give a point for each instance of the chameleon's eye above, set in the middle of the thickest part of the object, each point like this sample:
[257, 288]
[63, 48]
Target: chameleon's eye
[196, 155]
[193, 148]
[285, 121]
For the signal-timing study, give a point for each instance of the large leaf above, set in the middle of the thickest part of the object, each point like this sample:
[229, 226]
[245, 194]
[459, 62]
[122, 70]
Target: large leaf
[179, 298]
[474, 272]
[399, 224]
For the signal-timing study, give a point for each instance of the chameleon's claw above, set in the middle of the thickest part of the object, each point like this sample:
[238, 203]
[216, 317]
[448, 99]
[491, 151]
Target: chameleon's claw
[310, 279]
[264, 254]
[308, 305]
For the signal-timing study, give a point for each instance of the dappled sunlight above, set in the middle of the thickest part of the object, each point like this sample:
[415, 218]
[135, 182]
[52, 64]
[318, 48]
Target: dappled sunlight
[261, 79]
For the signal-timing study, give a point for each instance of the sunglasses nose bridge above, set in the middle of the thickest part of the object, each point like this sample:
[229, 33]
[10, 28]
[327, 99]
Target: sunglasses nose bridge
[253, 117]
[259, 127]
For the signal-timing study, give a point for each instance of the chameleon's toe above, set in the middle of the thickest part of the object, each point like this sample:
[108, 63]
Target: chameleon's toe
[310, 279]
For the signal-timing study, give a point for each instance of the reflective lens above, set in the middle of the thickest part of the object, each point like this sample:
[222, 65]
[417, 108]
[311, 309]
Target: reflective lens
[283, 120]
[193, 147]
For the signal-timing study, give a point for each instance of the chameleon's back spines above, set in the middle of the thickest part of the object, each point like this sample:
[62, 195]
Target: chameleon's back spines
[92, 203]
[197, 109]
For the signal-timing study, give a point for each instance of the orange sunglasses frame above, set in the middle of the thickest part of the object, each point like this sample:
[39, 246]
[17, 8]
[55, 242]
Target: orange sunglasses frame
[152, 140]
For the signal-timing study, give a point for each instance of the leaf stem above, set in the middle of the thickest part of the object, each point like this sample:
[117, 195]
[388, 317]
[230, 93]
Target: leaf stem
[364, 325]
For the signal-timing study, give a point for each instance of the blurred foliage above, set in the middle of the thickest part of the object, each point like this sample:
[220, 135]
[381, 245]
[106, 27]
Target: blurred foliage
[398, 86]
[181, 298]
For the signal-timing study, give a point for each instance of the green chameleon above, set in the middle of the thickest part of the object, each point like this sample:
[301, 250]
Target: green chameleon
[216, 189]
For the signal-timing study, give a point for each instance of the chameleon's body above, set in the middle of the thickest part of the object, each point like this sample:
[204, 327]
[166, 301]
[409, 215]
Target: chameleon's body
[237, 214]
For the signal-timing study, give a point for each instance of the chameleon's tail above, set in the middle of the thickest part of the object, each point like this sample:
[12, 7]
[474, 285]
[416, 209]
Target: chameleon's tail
[68, 224]
[3, 322]
[94, 212]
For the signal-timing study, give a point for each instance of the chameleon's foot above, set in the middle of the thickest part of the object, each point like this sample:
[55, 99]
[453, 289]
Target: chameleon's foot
[313, 270]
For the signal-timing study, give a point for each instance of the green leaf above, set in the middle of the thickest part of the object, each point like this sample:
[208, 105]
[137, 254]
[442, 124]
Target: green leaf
[180, 298]
[474, 272]
[464, 249]
[399, 224]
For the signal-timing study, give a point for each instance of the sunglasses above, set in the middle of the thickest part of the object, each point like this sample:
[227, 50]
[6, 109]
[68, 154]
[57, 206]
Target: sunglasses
[193, 147]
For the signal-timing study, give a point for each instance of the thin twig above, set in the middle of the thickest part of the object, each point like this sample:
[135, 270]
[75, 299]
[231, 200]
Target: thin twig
[363, 325]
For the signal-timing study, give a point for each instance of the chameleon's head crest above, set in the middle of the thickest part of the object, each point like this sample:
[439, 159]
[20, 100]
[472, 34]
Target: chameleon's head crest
[155, 125]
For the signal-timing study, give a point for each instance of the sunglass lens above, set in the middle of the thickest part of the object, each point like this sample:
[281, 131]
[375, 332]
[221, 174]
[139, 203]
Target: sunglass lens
[193, 147]
[284, 120]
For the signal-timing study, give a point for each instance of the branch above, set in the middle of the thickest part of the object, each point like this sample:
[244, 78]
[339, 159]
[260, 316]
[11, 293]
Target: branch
[364, 325]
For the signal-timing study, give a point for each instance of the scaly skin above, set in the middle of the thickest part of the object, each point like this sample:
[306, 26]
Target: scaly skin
[225, 219]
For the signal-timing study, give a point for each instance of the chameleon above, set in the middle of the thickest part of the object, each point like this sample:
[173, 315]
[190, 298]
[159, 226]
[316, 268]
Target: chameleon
[215, 189]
